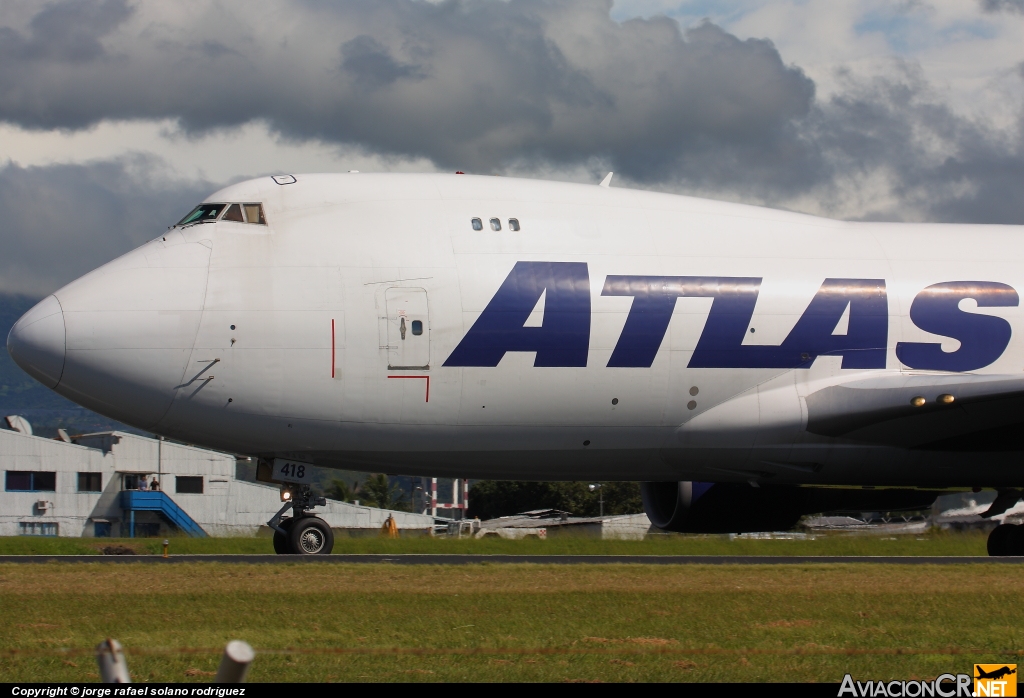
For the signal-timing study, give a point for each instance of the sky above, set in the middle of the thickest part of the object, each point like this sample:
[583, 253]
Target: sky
[118, 116]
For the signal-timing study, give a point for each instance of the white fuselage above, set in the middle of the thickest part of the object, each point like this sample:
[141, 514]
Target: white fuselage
[350, 331]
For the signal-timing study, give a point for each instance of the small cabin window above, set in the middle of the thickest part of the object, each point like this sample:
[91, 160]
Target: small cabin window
[417, 327]
[495, 224]
[254, 214]
[477, 224]
[513, 224]
[234, 213]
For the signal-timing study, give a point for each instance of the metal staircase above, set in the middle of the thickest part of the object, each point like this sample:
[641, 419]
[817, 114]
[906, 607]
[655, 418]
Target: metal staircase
[133, 501]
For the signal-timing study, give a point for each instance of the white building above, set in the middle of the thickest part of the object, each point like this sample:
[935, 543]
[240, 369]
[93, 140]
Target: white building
[56, 488]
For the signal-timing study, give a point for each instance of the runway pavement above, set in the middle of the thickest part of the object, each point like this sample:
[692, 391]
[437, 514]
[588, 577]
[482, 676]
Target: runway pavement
[517, 559]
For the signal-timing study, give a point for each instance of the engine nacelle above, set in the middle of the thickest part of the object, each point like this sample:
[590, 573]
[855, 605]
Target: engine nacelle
[708, 507]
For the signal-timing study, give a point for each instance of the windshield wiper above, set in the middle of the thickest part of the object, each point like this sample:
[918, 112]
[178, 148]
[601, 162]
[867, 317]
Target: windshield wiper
[204, 220]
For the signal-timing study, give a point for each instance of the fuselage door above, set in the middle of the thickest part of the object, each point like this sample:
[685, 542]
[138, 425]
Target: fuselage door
[408, 328]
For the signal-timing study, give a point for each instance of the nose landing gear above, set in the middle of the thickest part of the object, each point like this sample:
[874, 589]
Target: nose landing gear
[311, 536]
[303, 533]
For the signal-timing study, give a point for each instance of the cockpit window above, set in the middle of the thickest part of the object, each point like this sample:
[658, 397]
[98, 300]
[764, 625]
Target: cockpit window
[234, 213]
[203, 213]
[253, 214]
[239, 213]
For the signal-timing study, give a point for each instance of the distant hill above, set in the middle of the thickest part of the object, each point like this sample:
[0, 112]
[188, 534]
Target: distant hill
[20, 394]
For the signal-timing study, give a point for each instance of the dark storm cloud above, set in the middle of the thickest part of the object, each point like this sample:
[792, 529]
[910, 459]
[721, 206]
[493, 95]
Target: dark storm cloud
[371, 64]
[1003, 6]
[65, 32]
[524, 85]
[467, 83]
[940, 165]
[61, 221]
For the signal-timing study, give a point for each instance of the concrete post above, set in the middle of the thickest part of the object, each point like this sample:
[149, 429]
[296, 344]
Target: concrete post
[234, 665]
[113, 667]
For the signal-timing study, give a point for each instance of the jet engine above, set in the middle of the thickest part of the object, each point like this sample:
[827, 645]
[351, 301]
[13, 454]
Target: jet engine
[708, 507]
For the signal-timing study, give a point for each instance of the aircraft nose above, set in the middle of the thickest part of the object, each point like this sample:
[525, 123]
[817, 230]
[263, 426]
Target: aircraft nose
[37, 342]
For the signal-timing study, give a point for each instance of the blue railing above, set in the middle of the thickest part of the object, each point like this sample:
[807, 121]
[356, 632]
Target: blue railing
[133, 501]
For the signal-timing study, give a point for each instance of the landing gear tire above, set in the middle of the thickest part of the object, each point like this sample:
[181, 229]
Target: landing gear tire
[1014, 544]
[311, 535]
[281, 545]
[1006, 539]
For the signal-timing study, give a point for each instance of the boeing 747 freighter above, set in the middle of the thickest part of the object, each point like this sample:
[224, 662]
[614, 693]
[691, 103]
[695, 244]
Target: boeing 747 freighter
[747, 365]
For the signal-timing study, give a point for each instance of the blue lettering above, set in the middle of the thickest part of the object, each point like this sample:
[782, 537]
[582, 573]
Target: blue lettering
[863, 345]
[563, 339]
[721, 343]
[654, 298]
[983, 338]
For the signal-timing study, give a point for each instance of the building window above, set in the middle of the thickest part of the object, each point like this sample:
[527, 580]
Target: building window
[30, 481]
[495, 224]
[188, 484]
[90, 482]
[513, 224]
[135, 481]
[101, 529]
[37, 528]
[477, 224]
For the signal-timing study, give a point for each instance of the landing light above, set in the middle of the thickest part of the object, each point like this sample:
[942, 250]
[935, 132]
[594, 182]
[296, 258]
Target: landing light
[946, 399]
[917, 401]
[286, 495]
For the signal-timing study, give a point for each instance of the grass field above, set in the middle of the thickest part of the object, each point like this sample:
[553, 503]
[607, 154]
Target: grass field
[931, 543]
[511, 622]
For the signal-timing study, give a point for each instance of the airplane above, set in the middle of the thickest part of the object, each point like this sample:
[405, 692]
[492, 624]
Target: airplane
[748, 366]
[995, 673]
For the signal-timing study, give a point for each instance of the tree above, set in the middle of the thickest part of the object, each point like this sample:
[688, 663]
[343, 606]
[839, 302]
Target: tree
[622, 498]
[490, 499]
[341, 490]
[380, 493]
